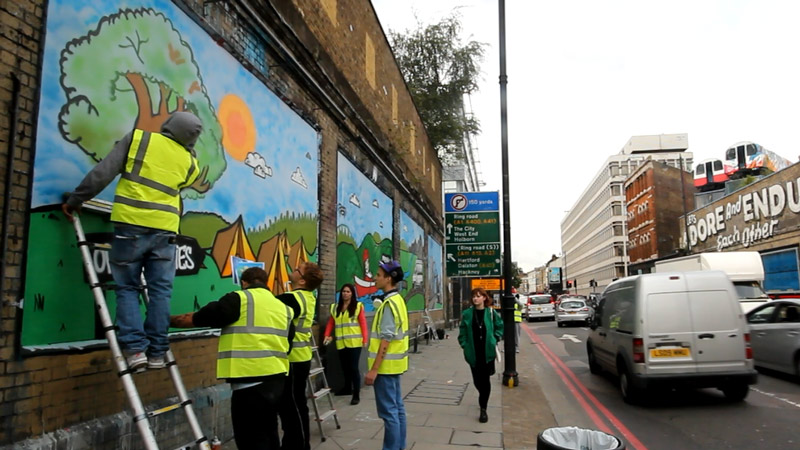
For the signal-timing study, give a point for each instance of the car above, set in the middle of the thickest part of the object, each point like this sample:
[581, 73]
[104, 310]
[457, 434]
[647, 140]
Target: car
[775, 335]
[540, 307]
[572, 309]
[674, 329]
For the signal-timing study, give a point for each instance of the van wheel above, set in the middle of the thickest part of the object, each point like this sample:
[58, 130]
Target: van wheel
[630, 393]
[594, 367]
[560, 324]
[736, 392]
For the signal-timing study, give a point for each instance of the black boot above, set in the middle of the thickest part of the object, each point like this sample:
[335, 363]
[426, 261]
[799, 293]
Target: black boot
[484, 417]
[356, 399]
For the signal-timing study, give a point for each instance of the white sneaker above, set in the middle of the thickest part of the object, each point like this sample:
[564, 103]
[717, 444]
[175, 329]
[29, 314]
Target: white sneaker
[156, 362]
[136, 360]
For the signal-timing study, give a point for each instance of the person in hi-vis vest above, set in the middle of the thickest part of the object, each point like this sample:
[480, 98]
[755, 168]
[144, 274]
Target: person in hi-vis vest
[388, 356]
[154, 167]
[253, 355]
[349, 325]
[293, 409]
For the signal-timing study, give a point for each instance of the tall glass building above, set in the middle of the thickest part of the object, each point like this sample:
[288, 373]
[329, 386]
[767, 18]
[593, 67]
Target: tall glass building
[593, 234]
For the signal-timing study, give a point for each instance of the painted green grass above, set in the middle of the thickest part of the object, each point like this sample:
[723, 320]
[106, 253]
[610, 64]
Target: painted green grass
[295, 225]
[202, 226]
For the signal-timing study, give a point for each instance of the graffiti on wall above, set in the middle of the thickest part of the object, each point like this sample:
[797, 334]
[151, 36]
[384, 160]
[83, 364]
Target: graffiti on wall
[111, 66]
[435, 296]
[412, 259]
[363, 231]
[751, 216]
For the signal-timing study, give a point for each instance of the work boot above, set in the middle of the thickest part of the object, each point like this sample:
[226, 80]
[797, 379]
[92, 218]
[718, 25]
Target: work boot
[484, 417]
[356, 399]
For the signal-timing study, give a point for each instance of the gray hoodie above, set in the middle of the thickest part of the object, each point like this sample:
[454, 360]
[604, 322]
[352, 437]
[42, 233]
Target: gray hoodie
[182, 127]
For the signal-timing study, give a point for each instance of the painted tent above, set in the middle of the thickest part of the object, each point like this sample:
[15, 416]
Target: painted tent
[364, 231]
[111, 66]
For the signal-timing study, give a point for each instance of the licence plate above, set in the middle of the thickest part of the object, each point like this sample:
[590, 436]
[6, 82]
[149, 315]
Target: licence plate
[669, 352]
[571, 312]
[538, 309]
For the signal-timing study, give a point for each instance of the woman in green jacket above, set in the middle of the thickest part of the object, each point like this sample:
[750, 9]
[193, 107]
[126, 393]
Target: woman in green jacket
[481, 327]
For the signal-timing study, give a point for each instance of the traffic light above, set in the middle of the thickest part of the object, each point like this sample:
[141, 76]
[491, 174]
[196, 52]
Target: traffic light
[569, 283]
[575, 282]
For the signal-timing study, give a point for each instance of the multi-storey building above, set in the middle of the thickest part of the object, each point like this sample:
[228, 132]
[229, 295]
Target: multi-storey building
[593, 233]
[656, 195]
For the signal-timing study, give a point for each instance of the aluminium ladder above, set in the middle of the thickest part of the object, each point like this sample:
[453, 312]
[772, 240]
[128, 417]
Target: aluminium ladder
[141, 417]
[430, 326]
[325, 391]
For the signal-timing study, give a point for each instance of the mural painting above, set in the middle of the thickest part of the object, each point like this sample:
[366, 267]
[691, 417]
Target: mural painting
[364, 231]
[112, 66]
[412, 259]
[435, 297]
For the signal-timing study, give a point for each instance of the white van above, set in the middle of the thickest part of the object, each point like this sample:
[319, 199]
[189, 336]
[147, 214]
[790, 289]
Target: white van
[672, 329]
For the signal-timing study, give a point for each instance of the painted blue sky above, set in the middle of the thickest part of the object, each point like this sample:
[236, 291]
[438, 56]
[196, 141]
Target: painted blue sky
[286, 142]
[366, 208]
[409, 230]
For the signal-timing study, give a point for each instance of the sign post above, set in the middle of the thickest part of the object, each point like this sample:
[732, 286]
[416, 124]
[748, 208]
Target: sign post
[472, 234]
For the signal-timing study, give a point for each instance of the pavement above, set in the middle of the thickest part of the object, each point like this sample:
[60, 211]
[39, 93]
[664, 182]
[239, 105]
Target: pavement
[442, 406]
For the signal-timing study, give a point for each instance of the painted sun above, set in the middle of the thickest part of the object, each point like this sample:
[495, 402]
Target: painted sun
[238, 127]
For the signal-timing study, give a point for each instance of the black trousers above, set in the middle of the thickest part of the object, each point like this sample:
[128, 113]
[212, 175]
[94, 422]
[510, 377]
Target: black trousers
[349, 358]
[254, 414]
[481, 377]
[293, 408]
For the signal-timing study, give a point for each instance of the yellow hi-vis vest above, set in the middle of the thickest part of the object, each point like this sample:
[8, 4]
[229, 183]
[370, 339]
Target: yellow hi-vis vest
[347, 329]
[396, 359]
[517, 313]
[148, 194]
[256, 344]
[301, 346]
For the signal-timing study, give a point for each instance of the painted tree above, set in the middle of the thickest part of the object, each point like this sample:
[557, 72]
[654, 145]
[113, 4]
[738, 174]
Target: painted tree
[132, 71]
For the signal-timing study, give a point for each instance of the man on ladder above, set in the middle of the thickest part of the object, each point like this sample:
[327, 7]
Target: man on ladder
[254, 348]
[146, 216]
[305, 278]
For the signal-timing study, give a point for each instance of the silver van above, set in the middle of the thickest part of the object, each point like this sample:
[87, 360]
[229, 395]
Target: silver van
[672, 329]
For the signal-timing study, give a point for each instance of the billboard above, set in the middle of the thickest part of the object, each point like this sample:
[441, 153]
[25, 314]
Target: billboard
[554, 275]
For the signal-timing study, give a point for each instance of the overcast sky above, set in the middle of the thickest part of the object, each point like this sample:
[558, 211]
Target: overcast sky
[586, 75]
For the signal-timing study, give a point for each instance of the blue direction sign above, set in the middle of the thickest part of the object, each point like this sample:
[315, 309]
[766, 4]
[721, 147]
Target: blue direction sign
[471, 201]
[472, 234]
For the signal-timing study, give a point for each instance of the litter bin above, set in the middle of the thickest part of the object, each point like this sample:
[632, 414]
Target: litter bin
[574, 438]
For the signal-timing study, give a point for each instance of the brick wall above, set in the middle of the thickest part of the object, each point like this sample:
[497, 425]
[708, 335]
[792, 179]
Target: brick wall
[43, 394]
[21, 382]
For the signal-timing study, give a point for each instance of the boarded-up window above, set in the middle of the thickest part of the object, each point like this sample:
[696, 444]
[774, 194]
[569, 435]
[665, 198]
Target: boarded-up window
[330, 9]
[412, 138]
[394, 105]
[369, 62]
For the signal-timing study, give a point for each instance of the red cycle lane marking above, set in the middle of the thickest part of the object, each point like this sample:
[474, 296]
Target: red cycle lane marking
[588, 409]
[632, 439]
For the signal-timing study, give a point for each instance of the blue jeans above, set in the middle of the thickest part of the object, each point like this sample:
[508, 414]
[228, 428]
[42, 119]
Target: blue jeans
[389, 400]
[135, 249]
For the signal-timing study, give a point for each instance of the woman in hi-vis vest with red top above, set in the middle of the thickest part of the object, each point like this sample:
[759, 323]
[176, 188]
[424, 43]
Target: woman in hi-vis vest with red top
[349, 326]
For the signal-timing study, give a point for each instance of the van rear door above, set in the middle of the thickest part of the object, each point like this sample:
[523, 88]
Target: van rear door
[669, 343]
[718, 331]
